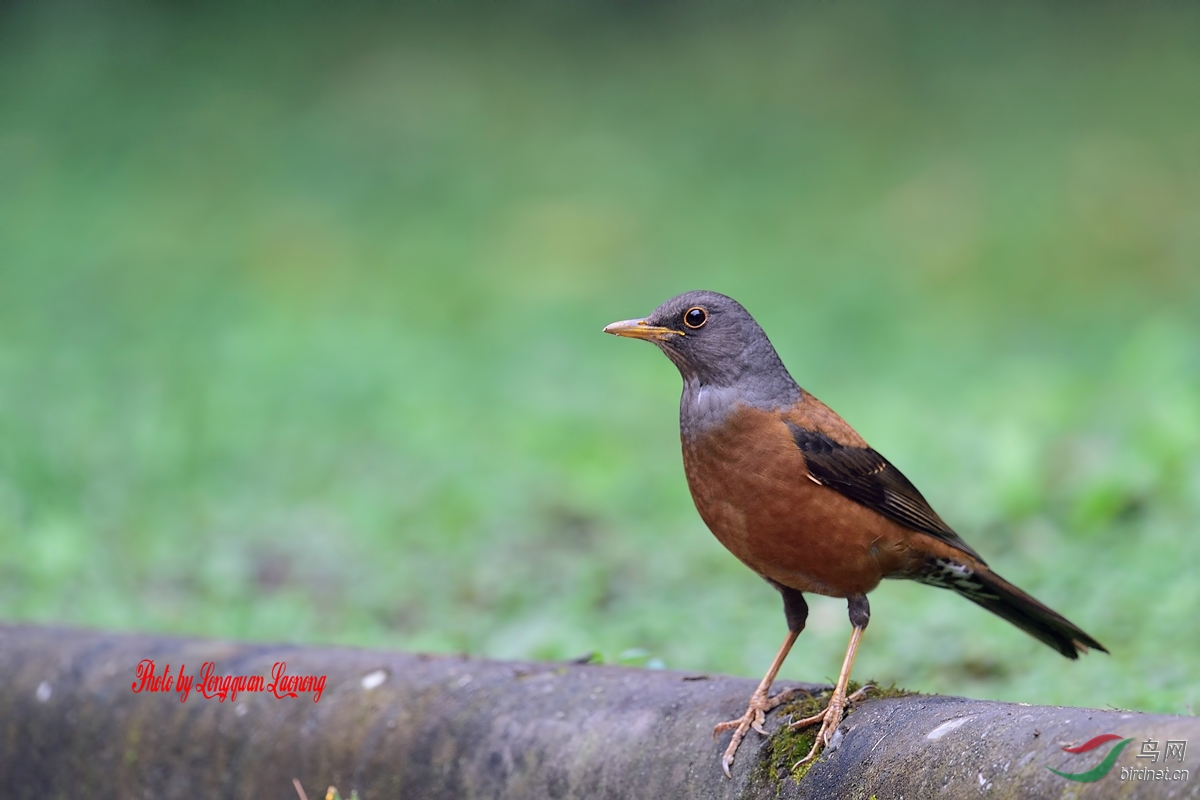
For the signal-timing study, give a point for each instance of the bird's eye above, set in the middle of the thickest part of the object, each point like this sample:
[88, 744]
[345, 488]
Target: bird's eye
[695, 317]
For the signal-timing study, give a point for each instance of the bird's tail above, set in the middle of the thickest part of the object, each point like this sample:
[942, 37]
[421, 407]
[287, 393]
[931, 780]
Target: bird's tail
[985, 588]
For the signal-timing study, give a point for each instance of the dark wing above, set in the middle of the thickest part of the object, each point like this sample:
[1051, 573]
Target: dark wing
[866, 477]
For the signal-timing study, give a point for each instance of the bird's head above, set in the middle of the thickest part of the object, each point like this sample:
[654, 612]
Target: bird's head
[713, 341]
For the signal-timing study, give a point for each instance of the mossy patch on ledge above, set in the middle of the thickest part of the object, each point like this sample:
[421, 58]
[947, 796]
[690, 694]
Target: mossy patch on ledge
[787, 746]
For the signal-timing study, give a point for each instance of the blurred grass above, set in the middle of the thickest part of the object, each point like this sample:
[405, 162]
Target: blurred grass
[300, 312]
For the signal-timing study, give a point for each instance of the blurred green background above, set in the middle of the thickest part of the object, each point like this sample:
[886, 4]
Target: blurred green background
[300, 321]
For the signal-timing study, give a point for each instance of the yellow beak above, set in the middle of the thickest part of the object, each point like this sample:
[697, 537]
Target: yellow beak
[639, 329]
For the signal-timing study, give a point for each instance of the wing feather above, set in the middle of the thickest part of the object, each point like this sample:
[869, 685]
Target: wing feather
[866, 477]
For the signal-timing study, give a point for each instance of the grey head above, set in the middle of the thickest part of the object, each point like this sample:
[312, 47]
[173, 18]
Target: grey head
[721, 352]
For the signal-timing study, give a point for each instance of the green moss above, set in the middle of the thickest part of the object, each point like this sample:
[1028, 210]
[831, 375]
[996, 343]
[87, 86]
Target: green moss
[877, 692]
[788, 745]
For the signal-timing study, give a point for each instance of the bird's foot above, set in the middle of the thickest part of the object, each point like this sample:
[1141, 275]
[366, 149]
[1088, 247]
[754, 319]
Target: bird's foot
[829, 718]
[755, 716]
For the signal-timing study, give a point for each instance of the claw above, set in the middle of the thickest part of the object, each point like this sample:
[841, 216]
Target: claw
[830, 719]
[860, 694]
[754, 718]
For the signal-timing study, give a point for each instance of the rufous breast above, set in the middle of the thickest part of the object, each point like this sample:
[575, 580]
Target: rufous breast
[751, 486]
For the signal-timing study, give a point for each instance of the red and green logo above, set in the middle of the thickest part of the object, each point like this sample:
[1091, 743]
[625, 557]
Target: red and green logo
[1100, 770]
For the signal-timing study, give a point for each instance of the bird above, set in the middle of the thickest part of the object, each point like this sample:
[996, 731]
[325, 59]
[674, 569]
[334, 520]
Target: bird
[791, 490]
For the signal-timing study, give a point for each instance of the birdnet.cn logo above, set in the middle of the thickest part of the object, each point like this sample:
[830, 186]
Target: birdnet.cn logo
[1171, 750]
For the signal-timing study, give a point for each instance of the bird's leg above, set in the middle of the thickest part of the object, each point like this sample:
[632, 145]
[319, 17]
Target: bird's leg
[759, 705]
[831, 716]
[795, 609]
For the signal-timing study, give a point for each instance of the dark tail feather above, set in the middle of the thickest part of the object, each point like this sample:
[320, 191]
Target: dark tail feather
[1042, 623]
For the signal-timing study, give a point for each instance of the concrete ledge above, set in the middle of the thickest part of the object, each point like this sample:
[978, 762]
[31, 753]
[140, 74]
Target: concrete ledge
[394, 725]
